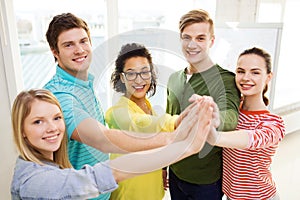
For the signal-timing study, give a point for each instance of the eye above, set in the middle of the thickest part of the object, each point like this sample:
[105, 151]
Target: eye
[145, 73]
[201, 39]
[240, 72]
[67, 45]
[130, 73]
[37, 122]
[185, 38]
[85, 41]
[58, 118]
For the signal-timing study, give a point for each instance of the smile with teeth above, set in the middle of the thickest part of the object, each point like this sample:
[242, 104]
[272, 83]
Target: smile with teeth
[51, 137]
[192, 52]
[138, 87]
[246, 86]
[79, 59]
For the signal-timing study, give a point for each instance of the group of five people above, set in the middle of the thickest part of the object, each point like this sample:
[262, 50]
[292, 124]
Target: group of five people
[196, 138]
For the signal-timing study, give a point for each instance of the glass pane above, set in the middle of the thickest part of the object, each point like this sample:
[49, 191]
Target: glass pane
[287, 87]
[33, 17]
[135, 14]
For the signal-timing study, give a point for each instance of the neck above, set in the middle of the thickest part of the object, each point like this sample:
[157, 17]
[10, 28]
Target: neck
[141, 102]
[82, 76]
[253, 103]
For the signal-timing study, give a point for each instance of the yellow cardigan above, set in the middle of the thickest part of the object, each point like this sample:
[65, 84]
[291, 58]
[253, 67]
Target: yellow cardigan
[126, 115]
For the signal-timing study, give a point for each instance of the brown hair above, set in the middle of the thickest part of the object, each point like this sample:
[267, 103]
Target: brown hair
[20, 110]
[196, 16]
[267, 57]
[61, 23]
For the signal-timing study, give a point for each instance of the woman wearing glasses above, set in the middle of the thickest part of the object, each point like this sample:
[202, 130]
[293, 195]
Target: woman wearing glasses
[135, 77]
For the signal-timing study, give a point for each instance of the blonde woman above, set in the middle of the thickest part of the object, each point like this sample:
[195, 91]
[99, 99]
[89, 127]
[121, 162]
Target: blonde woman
[43, 170]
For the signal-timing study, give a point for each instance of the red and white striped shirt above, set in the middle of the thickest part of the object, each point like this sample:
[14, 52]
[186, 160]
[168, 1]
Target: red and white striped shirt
[246, 172]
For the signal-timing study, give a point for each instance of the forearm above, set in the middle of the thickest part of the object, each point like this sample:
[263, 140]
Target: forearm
[134, 164]
[126, 141]
[95, 134]
[233, 139]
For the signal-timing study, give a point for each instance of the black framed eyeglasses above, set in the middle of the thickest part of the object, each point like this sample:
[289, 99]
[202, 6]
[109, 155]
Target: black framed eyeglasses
[130, 76]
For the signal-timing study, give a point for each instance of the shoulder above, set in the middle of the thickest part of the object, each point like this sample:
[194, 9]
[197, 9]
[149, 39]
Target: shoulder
[57, 83]
[177, 73]
[224, 72]
[26, 169]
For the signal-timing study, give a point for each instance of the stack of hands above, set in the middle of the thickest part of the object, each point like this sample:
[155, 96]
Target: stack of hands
[202, 118]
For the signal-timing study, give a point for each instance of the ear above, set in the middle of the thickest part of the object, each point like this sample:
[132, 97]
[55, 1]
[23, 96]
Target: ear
[54, 52]
[122, 78]
[212, 41]
[269, 77]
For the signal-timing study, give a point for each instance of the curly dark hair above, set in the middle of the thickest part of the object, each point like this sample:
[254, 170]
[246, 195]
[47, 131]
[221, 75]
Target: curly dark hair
[129, 51]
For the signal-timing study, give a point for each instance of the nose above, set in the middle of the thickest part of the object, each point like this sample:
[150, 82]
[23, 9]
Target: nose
[79, 49]
[51, 127]
[138, 78]
[246, 76]
[192, 44]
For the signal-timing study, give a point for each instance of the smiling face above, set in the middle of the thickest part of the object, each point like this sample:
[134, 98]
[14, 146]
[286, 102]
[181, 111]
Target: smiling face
[196, 40]
[136, 89]
[251, 75]
[74, 54]
[44, 127]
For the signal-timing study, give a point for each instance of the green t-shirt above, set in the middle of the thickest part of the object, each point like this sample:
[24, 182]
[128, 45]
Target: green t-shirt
[206, 166]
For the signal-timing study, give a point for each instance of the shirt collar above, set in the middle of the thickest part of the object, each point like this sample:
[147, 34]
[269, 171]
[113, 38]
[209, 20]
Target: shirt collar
[61, 72]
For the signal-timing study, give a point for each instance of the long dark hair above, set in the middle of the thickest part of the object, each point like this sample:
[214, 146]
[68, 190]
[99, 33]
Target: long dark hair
[267, 57]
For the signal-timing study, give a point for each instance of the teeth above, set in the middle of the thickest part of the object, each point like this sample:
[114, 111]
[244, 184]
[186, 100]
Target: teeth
[138, 87]
[193, 52]
[52, 137]
[79, 59]
[246, 86]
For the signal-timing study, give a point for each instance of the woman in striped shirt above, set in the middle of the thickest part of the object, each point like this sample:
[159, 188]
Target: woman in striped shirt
[248, 151]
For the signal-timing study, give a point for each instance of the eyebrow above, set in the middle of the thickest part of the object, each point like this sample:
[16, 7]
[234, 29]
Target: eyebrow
[72, 41]
[254, 69]
[145, 67]
[200, 35]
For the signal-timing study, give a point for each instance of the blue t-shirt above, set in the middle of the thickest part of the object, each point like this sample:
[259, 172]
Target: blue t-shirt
[78, 101]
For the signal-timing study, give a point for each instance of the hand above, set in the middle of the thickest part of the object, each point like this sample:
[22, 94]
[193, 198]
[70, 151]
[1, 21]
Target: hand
[185, 121]
[216, 116]
[213, 136]
[183, 114]
[198, 133]
[165, 179]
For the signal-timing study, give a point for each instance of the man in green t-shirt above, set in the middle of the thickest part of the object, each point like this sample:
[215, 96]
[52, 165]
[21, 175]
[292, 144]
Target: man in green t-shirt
[199, 176]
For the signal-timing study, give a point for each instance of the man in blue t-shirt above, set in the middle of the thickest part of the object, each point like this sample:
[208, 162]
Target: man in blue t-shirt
[89, 141]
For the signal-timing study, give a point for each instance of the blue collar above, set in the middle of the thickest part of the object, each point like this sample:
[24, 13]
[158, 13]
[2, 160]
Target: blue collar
[65, 75]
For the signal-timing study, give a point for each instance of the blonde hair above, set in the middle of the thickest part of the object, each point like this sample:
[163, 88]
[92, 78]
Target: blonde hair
[20, 110]
[196, 16]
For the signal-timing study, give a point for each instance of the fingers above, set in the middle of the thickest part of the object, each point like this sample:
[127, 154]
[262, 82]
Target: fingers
[195, 97]
[165, 179]
[187, 123]
[200, 130]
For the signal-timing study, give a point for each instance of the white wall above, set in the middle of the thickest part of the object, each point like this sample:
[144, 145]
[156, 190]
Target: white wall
[10, 84]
